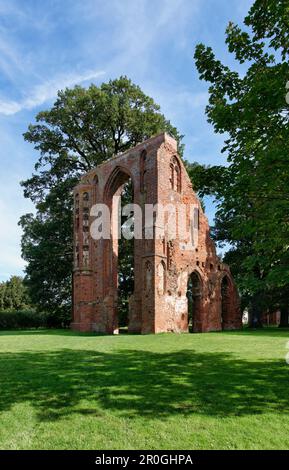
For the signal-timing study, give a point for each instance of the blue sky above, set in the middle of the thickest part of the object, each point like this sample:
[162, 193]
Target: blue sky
[46, 45]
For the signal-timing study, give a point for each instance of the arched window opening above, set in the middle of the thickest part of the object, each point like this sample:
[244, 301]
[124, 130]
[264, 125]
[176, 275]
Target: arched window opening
[172, 171]
[124, 262]
[225, 293]
[119, 251]
[85, 209]
[178, 179]
[143, 156]
[194, 294]
[175, 175]
[161, 278]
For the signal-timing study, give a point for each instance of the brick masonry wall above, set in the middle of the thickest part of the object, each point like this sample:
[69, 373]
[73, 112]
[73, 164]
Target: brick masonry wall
[162, 267]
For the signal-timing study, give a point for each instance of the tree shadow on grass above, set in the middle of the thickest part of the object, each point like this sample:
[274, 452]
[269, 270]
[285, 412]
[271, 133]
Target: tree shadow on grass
[133, 383]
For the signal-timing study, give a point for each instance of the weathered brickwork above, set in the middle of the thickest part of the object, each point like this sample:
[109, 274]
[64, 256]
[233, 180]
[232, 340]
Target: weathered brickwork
[163, 268]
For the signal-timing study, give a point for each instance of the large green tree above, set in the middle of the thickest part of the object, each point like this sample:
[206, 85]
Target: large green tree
[83, 128]
[14, 294]
[248, 105]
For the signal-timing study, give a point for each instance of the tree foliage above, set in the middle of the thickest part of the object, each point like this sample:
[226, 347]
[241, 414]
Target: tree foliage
[248, 105]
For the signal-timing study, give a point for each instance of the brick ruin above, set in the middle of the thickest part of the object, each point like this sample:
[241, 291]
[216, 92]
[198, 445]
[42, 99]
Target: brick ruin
[164, 270]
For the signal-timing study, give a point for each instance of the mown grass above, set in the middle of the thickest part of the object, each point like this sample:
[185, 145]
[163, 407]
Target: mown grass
[63, 390]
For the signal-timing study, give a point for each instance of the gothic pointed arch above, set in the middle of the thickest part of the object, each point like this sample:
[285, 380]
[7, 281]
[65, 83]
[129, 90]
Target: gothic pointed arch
[175, 174]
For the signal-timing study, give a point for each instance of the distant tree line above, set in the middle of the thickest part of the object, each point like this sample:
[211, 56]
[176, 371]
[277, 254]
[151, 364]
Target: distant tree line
[18, 311]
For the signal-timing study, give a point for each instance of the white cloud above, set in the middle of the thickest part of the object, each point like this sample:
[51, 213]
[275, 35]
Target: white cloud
[46, 91]
[9, 107]
[10, 234]
[135, 31]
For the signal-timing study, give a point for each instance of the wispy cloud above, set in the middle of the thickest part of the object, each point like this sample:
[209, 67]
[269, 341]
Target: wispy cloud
[10, 233]
[129, 44]
[15, 167]
[47, 91]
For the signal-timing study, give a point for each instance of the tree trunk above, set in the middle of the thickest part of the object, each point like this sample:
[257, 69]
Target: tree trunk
[256, 312]
[284, 310]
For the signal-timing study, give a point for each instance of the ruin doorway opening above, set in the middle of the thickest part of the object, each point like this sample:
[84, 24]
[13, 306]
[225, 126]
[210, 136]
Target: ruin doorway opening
[194, 294]
[119, 251]
[225, 305]
[125, 262]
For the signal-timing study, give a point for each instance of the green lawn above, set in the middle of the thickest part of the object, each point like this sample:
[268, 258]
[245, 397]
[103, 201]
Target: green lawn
[62, 390]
